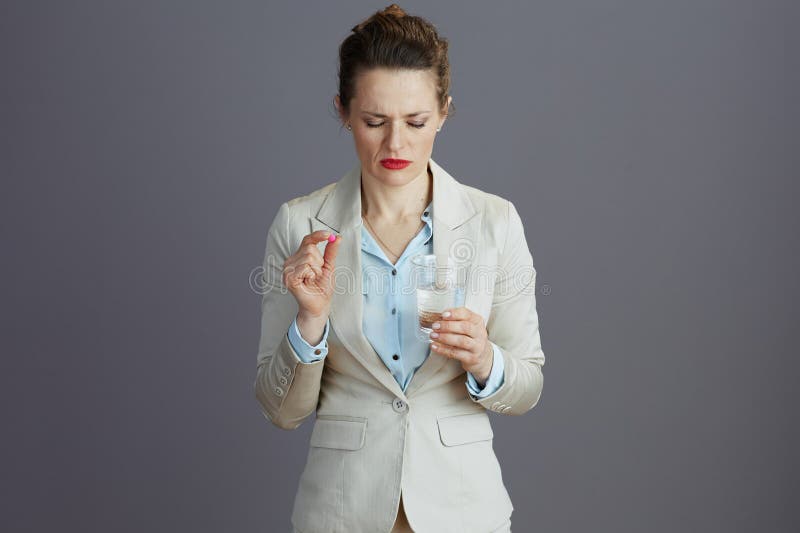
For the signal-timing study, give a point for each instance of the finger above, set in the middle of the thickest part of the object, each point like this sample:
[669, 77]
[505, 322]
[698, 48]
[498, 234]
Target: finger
[294, 275]
[314, 258]
[450, 352]
[462, 313]
[298, 276]
[315, 237]
[455, 326]
[331, 250]
[456, 340]
[456, 313]
[316, 271]
[303, 269]
[310, 255]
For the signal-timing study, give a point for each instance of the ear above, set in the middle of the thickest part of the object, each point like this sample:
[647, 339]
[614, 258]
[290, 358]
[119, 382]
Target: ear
[338, 103]
[447, 109]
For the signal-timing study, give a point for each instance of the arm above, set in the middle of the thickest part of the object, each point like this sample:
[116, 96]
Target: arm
[286, 388]
[514, 326]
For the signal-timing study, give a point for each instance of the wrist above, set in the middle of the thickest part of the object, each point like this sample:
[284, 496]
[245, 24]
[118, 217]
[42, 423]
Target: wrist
[312, 318]
[482, 375]
[311, 327]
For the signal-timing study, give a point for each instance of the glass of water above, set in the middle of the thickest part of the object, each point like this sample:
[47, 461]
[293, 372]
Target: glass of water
[439, 286]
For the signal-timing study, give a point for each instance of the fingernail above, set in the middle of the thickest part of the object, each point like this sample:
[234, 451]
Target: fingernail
[446, 314]
[434, 335]
[331, 237]
[436, 325]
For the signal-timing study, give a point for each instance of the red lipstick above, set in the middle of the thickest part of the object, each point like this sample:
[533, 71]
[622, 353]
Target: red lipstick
[395, 164]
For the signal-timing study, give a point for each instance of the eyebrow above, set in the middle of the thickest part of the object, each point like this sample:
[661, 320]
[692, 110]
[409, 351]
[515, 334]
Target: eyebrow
[384, 116]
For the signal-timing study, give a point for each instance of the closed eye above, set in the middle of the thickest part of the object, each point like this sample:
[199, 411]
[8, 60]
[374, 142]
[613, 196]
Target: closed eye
[412, 124]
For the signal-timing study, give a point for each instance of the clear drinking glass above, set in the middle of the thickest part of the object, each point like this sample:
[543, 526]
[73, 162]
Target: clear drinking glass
[438, 287]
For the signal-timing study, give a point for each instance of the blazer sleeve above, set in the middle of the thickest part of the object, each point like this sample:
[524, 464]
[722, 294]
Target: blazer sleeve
[514, 325]
[286, 387]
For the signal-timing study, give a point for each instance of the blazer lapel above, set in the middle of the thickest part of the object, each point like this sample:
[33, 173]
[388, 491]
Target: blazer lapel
[455, 225]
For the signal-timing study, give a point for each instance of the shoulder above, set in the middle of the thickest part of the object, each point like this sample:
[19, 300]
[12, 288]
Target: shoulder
[494, 207]
[308, 204]
[499, 214]
[291, 221]
[295, 212]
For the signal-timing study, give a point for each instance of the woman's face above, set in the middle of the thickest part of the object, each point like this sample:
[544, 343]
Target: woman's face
[394, 115]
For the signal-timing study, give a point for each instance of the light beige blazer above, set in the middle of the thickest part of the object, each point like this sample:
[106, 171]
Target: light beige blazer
[371, 440]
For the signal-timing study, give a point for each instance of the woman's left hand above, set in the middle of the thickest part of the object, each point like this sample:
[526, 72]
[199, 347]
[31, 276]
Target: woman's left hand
[462, 335]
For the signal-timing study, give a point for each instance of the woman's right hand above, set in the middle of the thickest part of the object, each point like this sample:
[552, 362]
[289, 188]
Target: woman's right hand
[309, 275]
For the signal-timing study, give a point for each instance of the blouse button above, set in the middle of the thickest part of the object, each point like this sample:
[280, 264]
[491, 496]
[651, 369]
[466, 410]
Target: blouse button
[394, 310]
[395, 357]
[394, 272]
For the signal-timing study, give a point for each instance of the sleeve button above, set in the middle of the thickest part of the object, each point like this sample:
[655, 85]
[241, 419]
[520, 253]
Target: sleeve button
[317, 351]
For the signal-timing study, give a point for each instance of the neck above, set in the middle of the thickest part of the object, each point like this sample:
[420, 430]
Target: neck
[396, 203]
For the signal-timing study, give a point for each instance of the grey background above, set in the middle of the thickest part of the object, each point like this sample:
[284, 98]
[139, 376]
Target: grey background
[652, 151]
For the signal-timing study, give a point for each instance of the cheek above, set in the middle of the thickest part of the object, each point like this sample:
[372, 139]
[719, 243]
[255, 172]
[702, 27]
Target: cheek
[425, 145]
[366, 140]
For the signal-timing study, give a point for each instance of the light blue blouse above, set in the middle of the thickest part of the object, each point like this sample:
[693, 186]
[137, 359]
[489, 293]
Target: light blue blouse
[389, 314]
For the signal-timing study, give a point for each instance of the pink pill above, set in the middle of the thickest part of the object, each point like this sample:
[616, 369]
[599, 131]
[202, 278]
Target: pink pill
[332, 237]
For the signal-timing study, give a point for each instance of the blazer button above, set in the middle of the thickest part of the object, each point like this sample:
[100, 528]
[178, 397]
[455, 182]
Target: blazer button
[286, 371]
[279, 391]
[399, 405]
[282, 380]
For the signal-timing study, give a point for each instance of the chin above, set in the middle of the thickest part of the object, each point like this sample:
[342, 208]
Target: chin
[393, 177]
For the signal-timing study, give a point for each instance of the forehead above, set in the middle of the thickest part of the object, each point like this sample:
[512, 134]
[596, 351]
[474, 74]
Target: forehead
[389, 91]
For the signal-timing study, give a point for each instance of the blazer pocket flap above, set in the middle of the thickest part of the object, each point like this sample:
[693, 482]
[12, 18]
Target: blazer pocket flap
[339, 434]
[461, 429]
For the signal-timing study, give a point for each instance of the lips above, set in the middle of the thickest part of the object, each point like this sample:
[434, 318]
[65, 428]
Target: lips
[395, 164]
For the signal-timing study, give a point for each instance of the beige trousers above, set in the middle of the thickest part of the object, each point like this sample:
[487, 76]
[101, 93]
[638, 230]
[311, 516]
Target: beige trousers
[401, 522]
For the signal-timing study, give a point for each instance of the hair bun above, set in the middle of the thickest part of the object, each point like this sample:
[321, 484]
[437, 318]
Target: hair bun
[394, 10]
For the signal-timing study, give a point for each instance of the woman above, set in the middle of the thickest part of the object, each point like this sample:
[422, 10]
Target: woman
[401, 440]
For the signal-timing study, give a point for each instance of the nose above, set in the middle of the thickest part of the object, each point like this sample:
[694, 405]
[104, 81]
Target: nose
[395, 140]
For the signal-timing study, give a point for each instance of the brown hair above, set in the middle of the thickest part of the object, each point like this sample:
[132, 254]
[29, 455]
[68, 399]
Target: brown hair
[393, 39]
